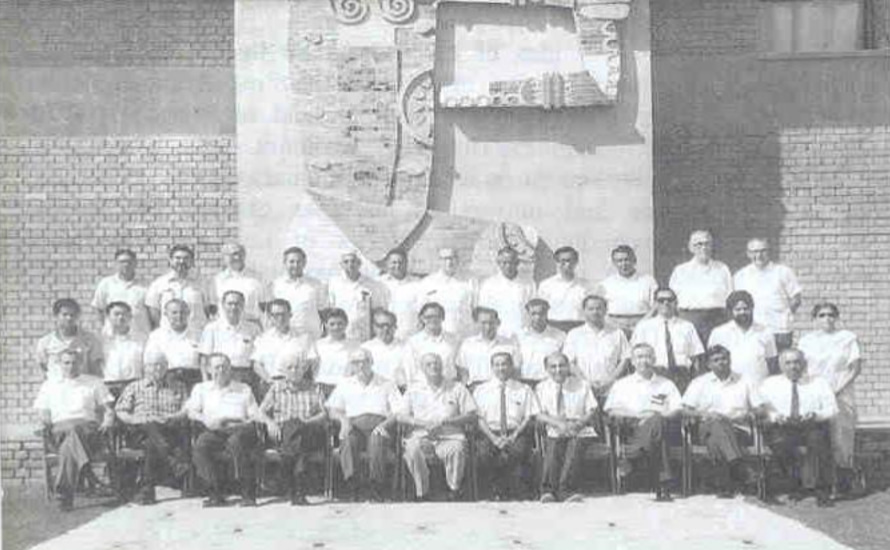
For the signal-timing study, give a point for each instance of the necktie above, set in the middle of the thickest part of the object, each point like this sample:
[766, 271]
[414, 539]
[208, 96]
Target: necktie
[795, 402]
[669, 347]
[560, 403]
[503, 408]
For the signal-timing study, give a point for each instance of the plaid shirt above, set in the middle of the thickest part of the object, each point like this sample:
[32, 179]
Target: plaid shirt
[147, 399]
[284, 401]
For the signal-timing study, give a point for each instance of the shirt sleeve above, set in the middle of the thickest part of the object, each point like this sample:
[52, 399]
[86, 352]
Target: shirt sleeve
[100, 298]
[205, 346]
[127, 401]
[692, 397]
[674, 400]
[791, 284]
[269, 400]
[532, 407]
[40, 353]
[466, 402]
[694, 341]
[195, 402]
[769, 344]
[590, 402]
[336, 401]
[153, 296]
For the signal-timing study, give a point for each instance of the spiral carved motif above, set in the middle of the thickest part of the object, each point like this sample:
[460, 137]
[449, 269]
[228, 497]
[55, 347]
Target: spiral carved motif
[397, 11]
[350, 12]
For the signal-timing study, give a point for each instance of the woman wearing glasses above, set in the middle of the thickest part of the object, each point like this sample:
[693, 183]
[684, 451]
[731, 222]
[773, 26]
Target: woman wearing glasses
[834, 355]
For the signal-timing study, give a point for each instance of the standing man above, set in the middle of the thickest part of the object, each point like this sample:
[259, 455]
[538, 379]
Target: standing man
[403, 292]
[702, 285]
[307, 295]
[629, 293]
[334, 350]
[775, 290]
[236, 276]
[564, 291]
[69, 336]
[152, 408]
[437, 412]
[506, 407]
[753, 347]
[538, 341]
[233, 337]
[280, 339]
[721, 401]
[432, 338]
[122, 352]
[506, 294]
[123, 287]
[799, 408]
[178, 284]
[598, 352]
[70, 406]
[644, 403]
[388, 354]
[177, 344]
[473, 360]
[365, 405]
[455, 294]
[568, 408]
[675, 341]
[357, 295]
[228, 411]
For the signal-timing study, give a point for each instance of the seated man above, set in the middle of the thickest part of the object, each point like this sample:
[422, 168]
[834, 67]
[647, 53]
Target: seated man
[153, 410]
[567, 409]
[294, 413]
[365, 405]
[506, 407]
[69, 407]
[437, 413]
[228, 410]
[644, 402]
[799, 408]
[721, 400]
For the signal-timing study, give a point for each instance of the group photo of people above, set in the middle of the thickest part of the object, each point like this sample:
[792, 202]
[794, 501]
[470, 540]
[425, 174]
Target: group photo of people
[389, 386]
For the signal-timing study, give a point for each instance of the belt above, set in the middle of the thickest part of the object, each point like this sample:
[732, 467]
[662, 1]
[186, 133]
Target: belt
[633, 316]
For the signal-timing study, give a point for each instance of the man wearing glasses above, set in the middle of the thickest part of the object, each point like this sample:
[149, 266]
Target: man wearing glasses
[388, 353]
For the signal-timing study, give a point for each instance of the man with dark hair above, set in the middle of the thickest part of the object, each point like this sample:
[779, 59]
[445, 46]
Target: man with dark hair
[122, 352]
[538, 341]
[280, 339]
[506, 293]
[598, 352]
[721, 401]
[307, 295]
[629, 293]
[177, 343]
[178, 283]
[432, 338]
[389, 354]
[334, 349]
[752, 346]
[506, 408]
[403, 292]
[234, 337]
[68, 335]
[123, 287]
[356, 294]
[565, 291]
[473, 359]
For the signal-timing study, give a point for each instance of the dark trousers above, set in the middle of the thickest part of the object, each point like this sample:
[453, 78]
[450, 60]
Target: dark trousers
[506, 470]
[361, 437]
[815, 466]
[297, 440]
[237, 444]
[166, 450]
[561, 458]
[75, 441]
[721, 438]
[649, 438]
[704, 320]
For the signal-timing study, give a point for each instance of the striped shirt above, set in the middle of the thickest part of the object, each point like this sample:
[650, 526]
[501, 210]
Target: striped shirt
[285, 401]
[148, 399]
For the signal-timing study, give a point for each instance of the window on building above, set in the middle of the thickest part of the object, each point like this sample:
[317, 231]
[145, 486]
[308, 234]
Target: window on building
[799, 26]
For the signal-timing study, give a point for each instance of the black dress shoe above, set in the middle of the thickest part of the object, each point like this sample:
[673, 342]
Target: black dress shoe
[663, 495]
[298, 500]
[214, 502]
[824, 500]
[247, 502]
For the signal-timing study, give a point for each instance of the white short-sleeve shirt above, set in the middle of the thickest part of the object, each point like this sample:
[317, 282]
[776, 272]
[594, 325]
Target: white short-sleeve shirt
[475, 353]
[357, 298]
[247, 283]
[578, 400]
[445, 345]
[773, 289]
[634, 295]
[235, 341]
[333, 359]
[597, 354]
[829, 355]
[507, 297]
[564, 296]
[535, 346]
[389, 359]
[456, 295]
[170, 286]
[701, 286]
[115, 289]
[521, 402]
[307, 296]
[272, 344]
[403, 303]
[637, 395]
[78, 398]
[179, 348]
[684, 339]
[749, 349]
[234, 401]
[123, 357]
[379, 396]
[815, 396]
[708, 394]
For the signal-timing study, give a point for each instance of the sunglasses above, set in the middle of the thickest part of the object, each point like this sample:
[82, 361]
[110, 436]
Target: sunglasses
[665, 300]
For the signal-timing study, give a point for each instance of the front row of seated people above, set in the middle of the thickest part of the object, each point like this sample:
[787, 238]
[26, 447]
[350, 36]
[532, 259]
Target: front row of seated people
[436, 414]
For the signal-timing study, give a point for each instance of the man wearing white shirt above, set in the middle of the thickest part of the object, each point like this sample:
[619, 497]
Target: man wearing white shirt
[702, 285]
[799, 408]
[307, 295]
[565, 291]
[721, 401]
[506, 408]
[356, 294]
[68, 335]
[537, 341]
[388, 353]
[432, 338]
[236, 276]
[644, 402]
[178, 283]
[123, 287]
[506, 294]
[228, 411]
[437, 412]
[456, 294]
[752, 346]
[123, 352]
[474, 355]
[598, 352]
[366, 406]
[234, 337]
[568, 408]
[629, 293]
[403, 292]
[279, 340]
[775, 290]
[177, 344]
[675, 340]
[334, 350]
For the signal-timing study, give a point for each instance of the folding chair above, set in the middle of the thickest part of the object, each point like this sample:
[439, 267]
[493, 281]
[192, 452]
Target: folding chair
[618, 433]
[104, 460]
[393, 458]
[269, 454]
